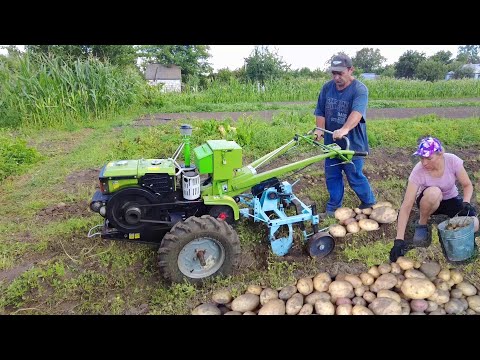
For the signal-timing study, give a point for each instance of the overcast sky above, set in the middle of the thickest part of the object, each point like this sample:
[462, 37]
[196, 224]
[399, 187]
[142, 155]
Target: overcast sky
[311, 56]
[314, 56]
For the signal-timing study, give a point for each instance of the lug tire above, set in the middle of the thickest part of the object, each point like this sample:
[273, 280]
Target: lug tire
[190, 230]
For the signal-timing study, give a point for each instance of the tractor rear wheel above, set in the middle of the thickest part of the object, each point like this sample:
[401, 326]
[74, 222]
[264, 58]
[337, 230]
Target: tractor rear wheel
[198, 248]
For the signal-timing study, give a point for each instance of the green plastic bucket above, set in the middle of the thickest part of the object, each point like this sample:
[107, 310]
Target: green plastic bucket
[458, 244]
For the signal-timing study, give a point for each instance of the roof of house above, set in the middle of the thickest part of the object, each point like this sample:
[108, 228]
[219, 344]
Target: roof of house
[474, 67]
[163, 72]
[369, 75]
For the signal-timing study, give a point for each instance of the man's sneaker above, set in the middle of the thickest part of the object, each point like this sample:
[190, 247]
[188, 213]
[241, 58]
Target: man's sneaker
[421, 237]
[326, 214]
[365, 206]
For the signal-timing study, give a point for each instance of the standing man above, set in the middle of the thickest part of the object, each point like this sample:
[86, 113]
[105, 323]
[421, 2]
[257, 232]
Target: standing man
[342, 109]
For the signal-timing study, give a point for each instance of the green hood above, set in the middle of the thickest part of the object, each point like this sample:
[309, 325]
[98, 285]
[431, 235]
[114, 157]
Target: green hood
[137, 168]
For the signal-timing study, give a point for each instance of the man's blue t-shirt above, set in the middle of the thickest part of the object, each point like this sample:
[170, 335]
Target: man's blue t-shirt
[336, 105]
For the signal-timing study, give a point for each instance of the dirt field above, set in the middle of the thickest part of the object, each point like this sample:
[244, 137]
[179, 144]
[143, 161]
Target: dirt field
[372, 114]
[255, 257]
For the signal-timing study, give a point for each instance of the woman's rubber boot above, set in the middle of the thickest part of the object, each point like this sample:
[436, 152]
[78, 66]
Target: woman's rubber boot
[422, 237]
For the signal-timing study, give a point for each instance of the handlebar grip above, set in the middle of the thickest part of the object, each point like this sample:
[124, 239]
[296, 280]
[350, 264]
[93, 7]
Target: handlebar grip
[360, 153]
[331, 132]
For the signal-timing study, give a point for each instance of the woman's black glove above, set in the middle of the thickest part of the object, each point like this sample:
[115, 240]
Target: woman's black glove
[399, 249]
[467, 210]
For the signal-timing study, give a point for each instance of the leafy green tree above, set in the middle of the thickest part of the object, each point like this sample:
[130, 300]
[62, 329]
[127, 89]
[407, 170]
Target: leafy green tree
[406, 66]
[369, 60]
[319, 74]
[388, 71]
[469, 53]
[193, 59]
[431, 70]
[455, 65]
[240, 73]
[462, 58]
[304, 72]
[224, 75]
[263, 64]
[358, 71]
[443, 57]
[121, 55]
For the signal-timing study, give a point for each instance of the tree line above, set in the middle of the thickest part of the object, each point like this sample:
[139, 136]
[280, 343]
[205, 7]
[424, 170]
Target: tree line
[263, 63]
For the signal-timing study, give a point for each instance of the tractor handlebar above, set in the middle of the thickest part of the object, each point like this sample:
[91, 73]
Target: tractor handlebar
[331, 132]
[360, 153]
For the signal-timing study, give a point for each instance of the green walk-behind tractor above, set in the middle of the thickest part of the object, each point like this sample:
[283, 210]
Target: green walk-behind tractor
[187, 209]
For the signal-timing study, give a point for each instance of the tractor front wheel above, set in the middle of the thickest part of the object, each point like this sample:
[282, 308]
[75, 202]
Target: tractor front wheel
[198, 248]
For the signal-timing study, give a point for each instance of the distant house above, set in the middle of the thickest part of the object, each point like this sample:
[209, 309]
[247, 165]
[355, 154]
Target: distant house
[170, 76]
[474, 67]
[369, 76]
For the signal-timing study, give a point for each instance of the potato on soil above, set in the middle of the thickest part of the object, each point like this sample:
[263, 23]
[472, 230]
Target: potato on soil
[348, 221]
[416, 288]
[360, 309]
[367, 279]
[384, 215]
[340, 289]
[368, 224]
[321, 281]
[344, 213]
[367, 211]
[381, 204]
[337, 230]
[361, 216]
[353, 227]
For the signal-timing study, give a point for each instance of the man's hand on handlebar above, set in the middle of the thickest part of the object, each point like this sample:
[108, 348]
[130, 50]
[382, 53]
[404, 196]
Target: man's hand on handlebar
[318, 134]
[340, 133]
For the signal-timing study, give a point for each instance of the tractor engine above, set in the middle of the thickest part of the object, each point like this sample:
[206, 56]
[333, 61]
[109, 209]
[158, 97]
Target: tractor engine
[138, 198]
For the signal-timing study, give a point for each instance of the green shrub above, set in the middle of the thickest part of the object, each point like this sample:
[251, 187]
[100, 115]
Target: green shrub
[15, 155]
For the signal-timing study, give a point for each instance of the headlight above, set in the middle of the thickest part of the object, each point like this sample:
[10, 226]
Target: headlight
[103, 211]
[95, 206]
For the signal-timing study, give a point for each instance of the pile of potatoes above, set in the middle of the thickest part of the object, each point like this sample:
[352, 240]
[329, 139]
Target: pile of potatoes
[354, 220]
[404, 287]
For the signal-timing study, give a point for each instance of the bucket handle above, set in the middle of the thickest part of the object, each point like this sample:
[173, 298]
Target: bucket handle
[466, 217]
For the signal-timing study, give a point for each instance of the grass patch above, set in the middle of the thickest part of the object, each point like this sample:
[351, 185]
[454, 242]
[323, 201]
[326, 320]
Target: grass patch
[404, 133]
[279, 273]
[370, 254]
[173, 300]
[15, 155]
[24, 288]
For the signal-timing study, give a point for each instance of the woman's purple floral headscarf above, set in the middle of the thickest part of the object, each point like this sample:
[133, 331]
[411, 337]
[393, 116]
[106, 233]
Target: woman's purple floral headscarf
[428, 146]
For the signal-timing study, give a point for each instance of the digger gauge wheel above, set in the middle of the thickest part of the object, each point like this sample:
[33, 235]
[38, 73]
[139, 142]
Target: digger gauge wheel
[320, 245]
[197, 249]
